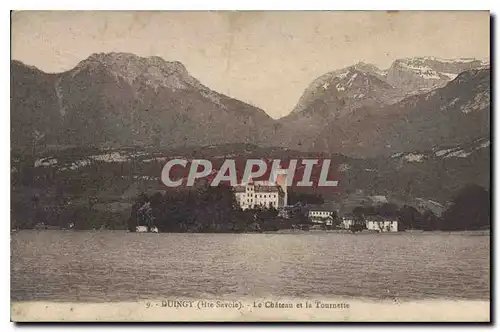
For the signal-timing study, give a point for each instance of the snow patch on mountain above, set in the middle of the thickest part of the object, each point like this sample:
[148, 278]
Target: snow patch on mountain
[450, 75]
[425, 72]
[483, 145]
[463, 152]
[210, 95]
[458, 154]
[343, 74]
[113, 157]
[441, 153]
[396, 155]
[45, 162]
[458, 60]
[480, 102]
[59, 95]
[76, 165]
[413, 157]
[351, 80]
[160, 159]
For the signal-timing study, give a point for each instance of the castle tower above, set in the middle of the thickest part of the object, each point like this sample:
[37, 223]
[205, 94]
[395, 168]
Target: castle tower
[281, 181]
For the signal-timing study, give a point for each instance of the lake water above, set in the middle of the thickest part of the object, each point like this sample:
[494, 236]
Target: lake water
[120, 266]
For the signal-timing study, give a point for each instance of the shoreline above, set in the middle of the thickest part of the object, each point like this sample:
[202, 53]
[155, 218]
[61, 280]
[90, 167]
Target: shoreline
[256, 309]
[281, 231]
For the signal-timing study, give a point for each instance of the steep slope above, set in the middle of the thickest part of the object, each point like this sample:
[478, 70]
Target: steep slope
[331, 97]
[456, 113]
[431, 174]
[121, 99]
[34, 107]
[422, 74]
[360, 85]
[403, 78]
[362, 89]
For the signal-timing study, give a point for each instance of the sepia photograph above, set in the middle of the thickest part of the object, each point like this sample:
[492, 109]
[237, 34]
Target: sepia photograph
[250, 166]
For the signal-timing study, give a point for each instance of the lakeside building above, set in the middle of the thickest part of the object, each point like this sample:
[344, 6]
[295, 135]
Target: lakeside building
[381, 224]
[347, 221]
[373, 223]
[144, 229]
[260, 194]
[324, 213]
[322, 216]
[263, 194]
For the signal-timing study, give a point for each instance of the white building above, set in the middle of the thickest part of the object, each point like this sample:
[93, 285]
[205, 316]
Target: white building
[320, 216]
[373, 223]
[141, 229]
[260, 195]
[144, 229]
[347, 221]
[263, 194]
[381, 224]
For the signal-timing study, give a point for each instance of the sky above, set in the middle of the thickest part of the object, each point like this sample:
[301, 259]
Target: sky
[266, 59]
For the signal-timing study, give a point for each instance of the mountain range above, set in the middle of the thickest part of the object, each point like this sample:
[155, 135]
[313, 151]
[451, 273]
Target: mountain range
[120, 99]
[417, 103]
[454, 114]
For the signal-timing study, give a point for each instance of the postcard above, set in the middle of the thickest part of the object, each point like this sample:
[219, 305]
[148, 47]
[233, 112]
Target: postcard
[250, 166]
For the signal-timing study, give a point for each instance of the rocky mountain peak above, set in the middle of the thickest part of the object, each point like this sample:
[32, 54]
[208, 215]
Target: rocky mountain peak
[370, 68]
[154, 71]
[128, 59]
[358, 84]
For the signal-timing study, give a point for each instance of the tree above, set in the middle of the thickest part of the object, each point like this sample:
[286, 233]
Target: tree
[430, 221]
[387, 210]
[295, 197]
[133, 220]
[336, 220]
[157, 210]
[469, 210]
[359, 219]
[409, 218]
[145, 216]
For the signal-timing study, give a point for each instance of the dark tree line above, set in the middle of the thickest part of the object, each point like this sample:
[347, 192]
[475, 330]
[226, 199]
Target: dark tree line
[470, 210]
[304, 198]
[63, 215]
[202, 209]
[214, 209]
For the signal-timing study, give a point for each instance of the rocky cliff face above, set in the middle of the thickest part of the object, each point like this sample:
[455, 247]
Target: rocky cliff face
[422, 74]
